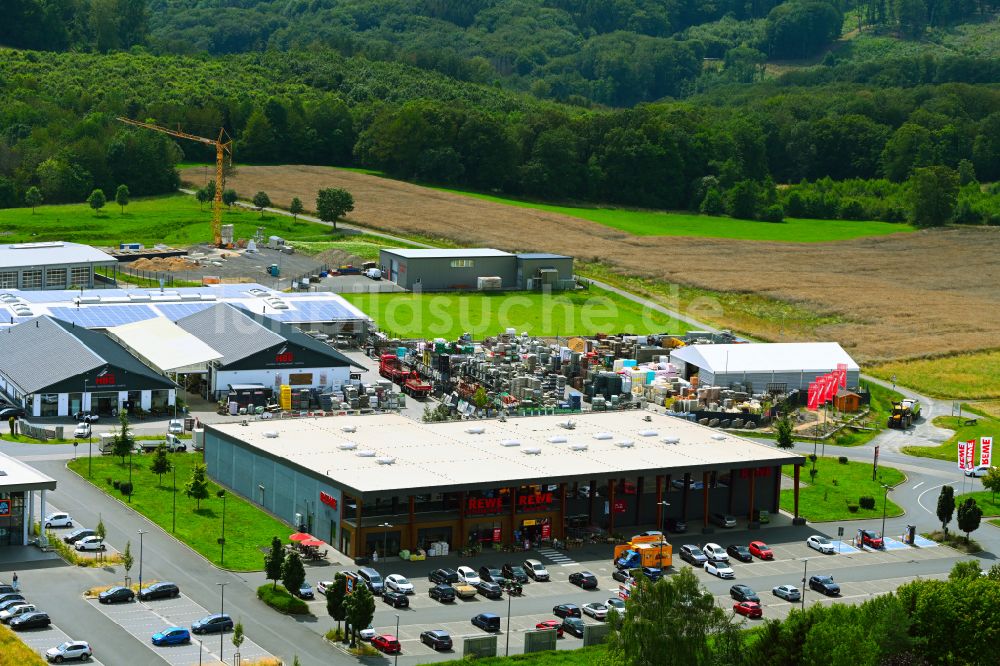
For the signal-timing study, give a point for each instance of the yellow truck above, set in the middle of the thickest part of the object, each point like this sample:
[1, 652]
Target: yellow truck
[644, 551]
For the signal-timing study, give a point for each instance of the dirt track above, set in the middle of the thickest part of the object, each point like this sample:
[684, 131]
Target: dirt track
[906, 295]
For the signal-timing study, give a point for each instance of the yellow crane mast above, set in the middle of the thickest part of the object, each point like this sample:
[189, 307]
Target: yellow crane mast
[223, 145]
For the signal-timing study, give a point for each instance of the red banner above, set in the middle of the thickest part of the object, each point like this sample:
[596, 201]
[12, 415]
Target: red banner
[970, 454]
[813, 392]
[985, 451]
[842, 372]
[546, 530]
[831, 387]
[961, 453]
[496, 535]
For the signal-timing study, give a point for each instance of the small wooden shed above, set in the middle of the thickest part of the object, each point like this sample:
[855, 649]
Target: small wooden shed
[847, 401]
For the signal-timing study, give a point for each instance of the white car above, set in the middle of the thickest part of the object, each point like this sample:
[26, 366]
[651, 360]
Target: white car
[175, 427]
[822, 544]
[981, 470]
[787, 592]
[468, 575]
[58, 520]
[367, 634]
[715, 553]
[79, 650]
[720, 569]
[399, 583]
[15, 611]
[597, 610]
[82, 430]
[615, 605]
[90, 543]
[323, 586]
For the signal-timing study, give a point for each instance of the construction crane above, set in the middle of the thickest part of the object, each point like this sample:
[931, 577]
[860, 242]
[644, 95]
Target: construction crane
[223, 145]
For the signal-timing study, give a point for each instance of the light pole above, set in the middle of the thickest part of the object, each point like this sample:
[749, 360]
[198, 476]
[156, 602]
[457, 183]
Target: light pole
[141, 532]
[805, 567]
[222, 539]
[507, 637]
[663, 528]
[885, 501]
[130, 476]
[385, 538]
[395, 657]
[222, 608]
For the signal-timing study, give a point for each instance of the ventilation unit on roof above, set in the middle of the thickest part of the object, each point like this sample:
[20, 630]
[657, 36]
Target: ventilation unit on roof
[625, 443]
[531, 450]
[672, 439]
[347, 446]
[603, 435]
[510, 442]
[3, 473]
[32, 246]
[271, 434]
[557, 439]
[476, 430]
[648, 433]
[569, 425]
[366, 454]
[349, 429]
[718, 437]
[386, 461]
[578, 447]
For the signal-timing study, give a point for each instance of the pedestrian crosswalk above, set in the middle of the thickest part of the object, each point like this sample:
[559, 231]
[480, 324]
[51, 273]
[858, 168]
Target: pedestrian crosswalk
[556, 557]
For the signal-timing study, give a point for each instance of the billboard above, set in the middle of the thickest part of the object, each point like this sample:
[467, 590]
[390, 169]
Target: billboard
[985, 451]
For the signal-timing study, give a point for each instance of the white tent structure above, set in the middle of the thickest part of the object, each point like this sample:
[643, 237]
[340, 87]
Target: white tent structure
[794, 364]
[164, 346]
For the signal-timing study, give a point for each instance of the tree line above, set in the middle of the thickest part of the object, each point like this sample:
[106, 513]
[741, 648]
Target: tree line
[57, 25]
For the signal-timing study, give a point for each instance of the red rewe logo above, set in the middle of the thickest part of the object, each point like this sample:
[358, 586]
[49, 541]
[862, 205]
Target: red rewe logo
[284, 357]
[535, 500]
[328, 499]
[107, 379]
[485, 505]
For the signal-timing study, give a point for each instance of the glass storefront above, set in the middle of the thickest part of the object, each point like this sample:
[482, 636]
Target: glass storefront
[159, 401]
[382, 542]
[50, 404]
[12, 524]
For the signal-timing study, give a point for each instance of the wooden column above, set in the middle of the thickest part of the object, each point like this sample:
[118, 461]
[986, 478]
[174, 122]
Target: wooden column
[611, 506]
[776, 504]
[413, 525]
[659, 499]
[753, 487]
[358, 552]
[684, 496]
[562, 513]
[704, 495]
[795, 513]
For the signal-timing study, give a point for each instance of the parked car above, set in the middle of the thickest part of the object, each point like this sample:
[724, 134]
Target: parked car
[693, 555]
[676, 526]
[787, 592]
[596, 609]
[872, 540]
[741, 592]
[720, 569]
[825, 585]
[387, 643]
[761, 550]
[87, 417]
[76, 535]
[723, 520]
[367, 634]
[82, 430]
[489, 589]
[977, 471]
[8, 411]
[822, 544]
[15, 600]
[372, 579]
[487, 622]
[491, 574]
[172, 636]
[715, 553]
[58, 520]
[70, 650]
[395, 599]
[652, 573]
[212, 624]
[536, 570]
[16, 610]
[616, 605]
[583, 579]
[443, 576]
[323, 586]
[550, 625]
[750, 609]
[35, 620]
[7, 589]
[10, 596]
[514, 572]
[116, 595]
[741, 553]
[464, 590]
[175, 427]
[442, 592]
[649, 533]
[162, 590]
[90, 543]
[469, 575]
[399, 583]
[567, 610]
[624, 575]
[436, 639]
[573, 625]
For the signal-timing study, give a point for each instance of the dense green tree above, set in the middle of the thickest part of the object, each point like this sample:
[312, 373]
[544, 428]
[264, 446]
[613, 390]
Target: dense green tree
[911, 17]
[712, 204]
[969, 517]
[143, 161]
[123, 441]
[33, 197]
[335, 597]
[293, 574]
[945, 506]
[229, 197]
[121, 196]
[360, 610]
[799, 28]
[258, 142]
[197, 487]
[333, 203]
[261, 201]
[742, 200]
[296, 208]
[62, 181]
[161, 463]
[986, 148]
[274, 561]
[910, 146]
[991, 481]
[783, 432]
[933, 196]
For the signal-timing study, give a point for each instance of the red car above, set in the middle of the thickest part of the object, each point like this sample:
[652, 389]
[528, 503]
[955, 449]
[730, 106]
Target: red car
[551, 624]
[761, 550]
[387, 643]
[872, 540]
[749, 608]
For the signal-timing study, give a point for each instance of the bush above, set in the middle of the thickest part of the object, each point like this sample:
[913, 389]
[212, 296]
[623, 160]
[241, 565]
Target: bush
[813, 457]
[280, 600]
[116, 483]
[813, 473]
[842, 460]
[125, 487]
[853, 508]
[109, 480]
[867, 502]
[773, 213]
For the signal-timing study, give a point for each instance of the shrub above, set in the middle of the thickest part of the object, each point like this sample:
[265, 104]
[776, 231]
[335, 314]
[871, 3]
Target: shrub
[842, 460]
[867, 502]
[125, 487]
[813, 473]
[116, 483]
[109, 480]
[812, 457]
[853, 508]
[280, 600]
[773, 213]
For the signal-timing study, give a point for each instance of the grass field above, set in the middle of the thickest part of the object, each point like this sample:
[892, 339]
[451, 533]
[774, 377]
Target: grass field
[949, 450]
[989, 503]
[13, 652]
[837, 485]
[966, 376]
[549, 315]
[175, 220]
[248, 529]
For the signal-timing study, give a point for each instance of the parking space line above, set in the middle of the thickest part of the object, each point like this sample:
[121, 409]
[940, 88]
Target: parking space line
[40, 640]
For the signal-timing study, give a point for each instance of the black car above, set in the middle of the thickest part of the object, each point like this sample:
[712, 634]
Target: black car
[624, 575]
[395, 599]
[86, 417]
[35, 620]
[116, 595]
[442, 592]
[492, 575]
[514, 572]
[443, 576]
[676, 526]
[489, 589]
[7, 589]
[76, 535]
[741, 592]
[487, 621]
[584, 579]
[825, 585]
[693, 555]
[13, 600]
[7, 596]
[8, 411]
[573, 625]
[159, 591]
[213, 624]
[741, 553]
[437, 639]
[567, 610]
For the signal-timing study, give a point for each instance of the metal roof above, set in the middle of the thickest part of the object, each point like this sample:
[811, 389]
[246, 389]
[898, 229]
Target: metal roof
[230, 331]
[25, 255]
[766, 357]
[15, 476]
[446, 253]
[541, 255]
[39, 353]
[164, 345]
[518, 451]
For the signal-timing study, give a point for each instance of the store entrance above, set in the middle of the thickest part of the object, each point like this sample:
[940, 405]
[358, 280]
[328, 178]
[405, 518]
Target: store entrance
[534, 531]
[105, 404]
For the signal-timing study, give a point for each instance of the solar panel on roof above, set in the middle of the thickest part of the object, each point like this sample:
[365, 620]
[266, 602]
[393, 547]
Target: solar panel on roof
[104, 316]
[309, 311]
[175, 311]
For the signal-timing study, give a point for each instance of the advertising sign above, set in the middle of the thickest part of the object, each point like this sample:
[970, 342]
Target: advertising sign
[4, 507]
[842, 372]
[482, 505]
[546, 531]
[496, 535]
[619, 506]
[985, 451]
[534, 500]
[961, 454]
[970, 454]
[328, 499]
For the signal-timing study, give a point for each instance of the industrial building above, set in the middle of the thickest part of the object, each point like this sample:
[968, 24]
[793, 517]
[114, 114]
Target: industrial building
[55, 368]
[780, 365]
[475, 269]
[366, 484]
[18, 484]
[56, 265]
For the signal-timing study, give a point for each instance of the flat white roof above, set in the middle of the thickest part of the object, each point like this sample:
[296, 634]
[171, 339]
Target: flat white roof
[766, 357]
[16, 475]
[23, 255]
[447, 253]
[428, 456]
[164, 345]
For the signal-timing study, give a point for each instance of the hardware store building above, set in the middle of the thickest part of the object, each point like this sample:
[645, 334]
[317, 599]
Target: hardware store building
[361, 482]
[18, 484]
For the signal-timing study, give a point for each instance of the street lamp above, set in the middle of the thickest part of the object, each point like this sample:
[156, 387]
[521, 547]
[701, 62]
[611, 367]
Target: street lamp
[385, 538]
[141, 532]
[507, 649]
[395, 657]
[173, 526]
[663, 528]
[222, 608]
[805, 567]
[222, 539]
[885, 501]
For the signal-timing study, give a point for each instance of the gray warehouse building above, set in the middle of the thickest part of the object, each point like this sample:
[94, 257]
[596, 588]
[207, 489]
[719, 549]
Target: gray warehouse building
[475, 269]
[794, 364]
[55, 265]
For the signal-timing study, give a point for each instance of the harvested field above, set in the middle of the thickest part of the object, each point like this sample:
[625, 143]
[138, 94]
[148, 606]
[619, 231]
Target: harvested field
[898, 296]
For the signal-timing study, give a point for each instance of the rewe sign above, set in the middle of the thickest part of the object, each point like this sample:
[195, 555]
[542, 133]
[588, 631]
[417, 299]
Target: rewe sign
[534, 501]
[478, 505]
